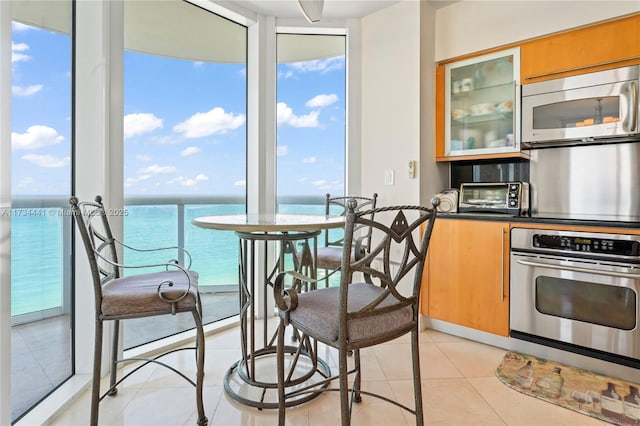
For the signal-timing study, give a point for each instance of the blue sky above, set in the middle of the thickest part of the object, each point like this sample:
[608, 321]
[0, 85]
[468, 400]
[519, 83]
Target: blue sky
[184, 123]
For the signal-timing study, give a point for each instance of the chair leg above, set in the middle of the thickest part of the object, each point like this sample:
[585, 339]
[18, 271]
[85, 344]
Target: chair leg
[97, 365]
[345, 411]
[202, 418]
[280, 372]
[114, 358]
[417, 386]
[357, 381]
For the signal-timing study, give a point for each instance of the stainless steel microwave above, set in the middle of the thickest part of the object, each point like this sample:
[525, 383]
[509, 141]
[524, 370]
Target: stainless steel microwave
[494, 197]
[589, 108]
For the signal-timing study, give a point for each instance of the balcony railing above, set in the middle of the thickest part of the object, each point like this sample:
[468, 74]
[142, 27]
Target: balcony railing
[148, 222]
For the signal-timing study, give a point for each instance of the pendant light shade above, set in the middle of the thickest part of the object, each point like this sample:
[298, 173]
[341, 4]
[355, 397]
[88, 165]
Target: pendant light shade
[311, 9]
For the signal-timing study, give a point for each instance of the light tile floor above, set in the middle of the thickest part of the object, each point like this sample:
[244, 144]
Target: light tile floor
[458, 382]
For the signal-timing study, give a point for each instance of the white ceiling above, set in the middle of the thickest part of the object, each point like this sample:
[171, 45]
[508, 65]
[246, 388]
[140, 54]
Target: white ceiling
[333, 9]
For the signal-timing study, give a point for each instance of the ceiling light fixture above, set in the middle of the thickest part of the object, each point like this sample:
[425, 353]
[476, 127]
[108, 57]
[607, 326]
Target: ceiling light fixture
[311, 9]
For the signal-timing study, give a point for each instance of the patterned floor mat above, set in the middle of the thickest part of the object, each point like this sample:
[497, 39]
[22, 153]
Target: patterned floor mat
[608, 399]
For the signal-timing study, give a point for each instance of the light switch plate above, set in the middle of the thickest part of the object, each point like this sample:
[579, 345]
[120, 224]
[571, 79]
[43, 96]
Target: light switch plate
[388, 177]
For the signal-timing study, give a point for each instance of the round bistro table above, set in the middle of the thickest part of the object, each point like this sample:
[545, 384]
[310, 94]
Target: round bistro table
[251, 380]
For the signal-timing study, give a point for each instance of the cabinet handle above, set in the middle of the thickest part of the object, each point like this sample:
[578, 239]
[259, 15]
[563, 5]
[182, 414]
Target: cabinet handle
[583, 67]
[502, 266]
[516, 113]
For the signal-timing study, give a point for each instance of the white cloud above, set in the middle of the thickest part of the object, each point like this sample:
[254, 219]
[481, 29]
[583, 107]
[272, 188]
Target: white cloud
[309, 160]
[143, 157]
[18, 52]
[282, 150]
[241, 183]
[321, 184]
[136, 124]
[285, 74]
[47, 160]
[26, 91]
[163, 139]
[189, 182]
[35, 137]
[216, 121]
[320, 65]
[148, 172]
[156, 169]
[26, 182]
[130, 181]
[285, 115]
[325, 185]
[321, 101]
[189, 151]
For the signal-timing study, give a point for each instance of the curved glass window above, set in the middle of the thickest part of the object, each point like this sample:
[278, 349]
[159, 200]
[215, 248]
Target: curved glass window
[311, 120]
[41, 309]
[185, 144]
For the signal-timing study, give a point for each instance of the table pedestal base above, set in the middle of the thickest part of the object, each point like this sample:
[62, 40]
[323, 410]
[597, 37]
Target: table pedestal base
[262, 391]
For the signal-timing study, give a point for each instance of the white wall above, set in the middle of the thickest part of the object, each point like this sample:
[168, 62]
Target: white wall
[400, 47]
[434, 177]
[472, 25]
[390, 102]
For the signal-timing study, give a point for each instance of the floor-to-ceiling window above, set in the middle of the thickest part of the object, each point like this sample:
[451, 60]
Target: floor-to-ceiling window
[311, 120]
[41, 309]
[185, 145]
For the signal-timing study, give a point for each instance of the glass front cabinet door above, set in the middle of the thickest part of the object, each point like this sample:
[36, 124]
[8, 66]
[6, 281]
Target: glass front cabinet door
[482, 101]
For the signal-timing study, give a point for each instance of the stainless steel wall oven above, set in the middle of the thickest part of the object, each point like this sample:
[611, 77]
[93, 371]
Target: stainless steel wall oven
[577, 291]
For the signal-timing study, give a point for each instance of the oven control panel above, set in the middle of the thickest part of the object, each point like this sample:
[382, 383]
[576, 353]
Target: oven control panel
[587, 244]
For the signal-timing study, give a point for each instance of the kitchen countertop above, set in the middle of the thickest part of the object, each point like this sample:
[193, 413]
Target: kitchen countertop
[609, 222]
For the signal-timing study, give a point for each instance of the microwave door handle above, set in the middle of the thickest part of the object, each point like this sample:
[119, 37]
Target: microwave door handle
[578, 269]
[629, 115]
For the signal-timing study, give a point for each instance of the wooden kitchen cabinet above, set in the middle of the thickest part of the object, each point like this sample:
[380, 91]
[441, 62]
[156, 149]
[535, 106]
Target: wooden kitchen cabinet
[466, 280]
[603, 46]
[607, 45]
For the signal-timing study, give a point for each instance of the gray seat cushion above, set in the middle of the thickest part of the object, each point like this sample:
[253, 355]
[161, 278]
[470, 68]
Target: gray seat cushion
[331, 257]
[138, 294]
[317, 313]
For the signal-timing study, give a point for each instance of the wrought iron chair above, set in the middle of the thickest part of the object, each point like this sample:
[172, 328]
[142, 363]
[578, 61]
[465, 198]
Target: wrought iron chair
[361, 313]
[329, 257]
[172, 289]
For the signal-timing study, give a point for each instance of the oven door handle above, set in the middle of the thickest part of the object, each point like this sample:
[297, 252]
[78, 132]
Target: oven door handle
[577, 269]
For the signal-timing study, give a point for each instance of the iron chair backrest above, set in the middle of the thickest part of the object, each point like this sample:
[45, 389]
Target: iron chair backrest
[399, 247]
[362, 203]
[102, 252]
[99, 244]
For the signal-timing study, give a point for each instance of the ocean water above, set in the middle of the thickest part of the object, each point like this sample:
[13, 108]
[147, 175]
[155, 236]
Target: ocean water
[38, 257]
